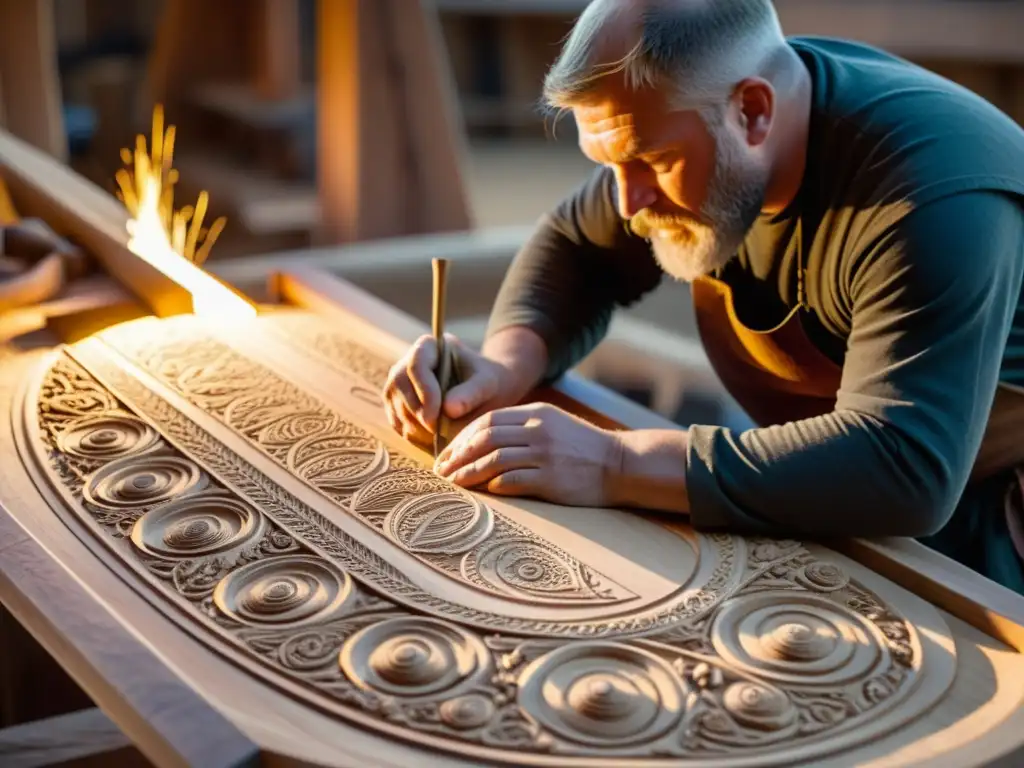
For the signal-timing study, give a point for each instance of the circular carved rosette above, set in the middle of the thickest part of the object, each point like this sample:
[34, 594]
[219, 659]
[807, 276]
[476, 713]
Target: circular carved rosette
[284, 592]
[140, 481]
[198, 525]
[822, 577]
[451, 522]
[105, 438]
[415, 657]
[798, 638]
[338, 464]
[602, 694]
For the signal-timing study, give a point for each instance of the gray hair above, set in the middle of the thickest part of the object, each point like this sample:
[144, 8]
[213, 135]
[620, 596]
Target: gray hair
[700, 48]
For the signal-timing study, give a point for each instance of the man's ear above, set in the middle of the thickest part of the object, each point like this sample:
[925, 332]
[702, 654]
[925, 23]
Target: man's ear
[754, 104]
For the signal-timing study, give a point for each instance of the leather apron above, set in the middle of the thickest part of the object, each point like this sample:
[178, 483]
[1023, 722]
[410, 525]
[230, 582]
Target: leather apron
[779, 375]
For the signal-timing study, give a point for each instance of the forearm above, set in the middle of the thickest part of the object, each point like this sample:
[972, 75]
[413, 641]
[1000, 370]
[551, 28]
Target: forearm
[523, 353]
[650, 471]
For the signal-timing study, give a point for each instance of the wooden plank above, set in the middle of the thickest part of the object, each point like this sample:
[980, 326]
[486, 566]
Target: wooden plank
[31, 90]
[276, 53]
[166, 720]
[79, 210]
[390, 154]
[980, 602]
[80, 739]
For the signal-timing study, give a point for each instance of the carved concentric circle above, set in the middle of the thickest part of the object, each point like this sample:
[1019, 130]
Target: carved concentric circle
[138, 481]
[522, 566]
[822, 577]
[440, 523]
[797, 638]
[107, 437]
[467, 712]
[197, 525]
[288, 590]
[602, 693]
[756, 705]
[414, 656]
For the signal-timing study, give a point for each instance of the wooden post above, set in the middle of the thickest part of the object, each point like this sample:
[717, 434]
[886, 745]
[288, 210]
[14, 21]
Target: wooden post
[28, 62]
[390, 134]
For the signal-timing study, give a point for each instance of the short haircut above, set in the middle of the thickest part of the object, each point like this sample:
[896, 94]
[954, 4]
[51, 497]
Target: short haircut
[698, 48]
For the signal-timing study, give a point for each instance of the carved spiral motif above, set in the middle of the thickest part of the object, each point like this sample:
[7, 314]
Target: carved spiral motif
[523, 567]
[414, 657]
[138, 481]
[287, 590]
[797, 638]
[440, 523]
[822, 577]
[602, 693]
[464, 713]
[197, 525]
[338, 463]
[107, 437]
[756, 705]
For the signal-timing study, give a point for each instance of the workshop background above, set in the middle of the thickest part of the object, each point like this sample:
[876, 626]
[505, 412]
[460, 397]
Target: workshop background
[328, 123]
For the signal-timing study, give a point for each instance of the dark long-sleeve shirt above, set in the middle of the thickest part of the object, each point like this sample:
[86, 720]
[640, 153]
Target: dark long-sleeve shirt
[912, 210]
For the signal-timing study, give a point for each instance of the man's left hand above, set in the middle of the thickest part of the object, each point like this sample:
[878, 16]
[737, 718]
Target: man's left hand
[534, 450]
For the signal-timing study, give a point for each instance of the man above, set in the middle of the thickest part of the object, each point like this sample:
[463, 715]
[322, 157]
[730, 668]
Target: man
[853, 229]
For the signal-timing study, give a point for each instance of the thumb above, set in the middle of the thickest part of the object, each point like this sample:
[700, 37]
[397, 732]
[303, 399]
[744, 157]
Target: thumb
[469, 395]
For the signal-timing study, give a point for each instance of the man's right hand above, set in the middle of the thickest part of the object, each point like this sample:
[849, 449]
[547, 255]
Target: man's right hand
[509, 367]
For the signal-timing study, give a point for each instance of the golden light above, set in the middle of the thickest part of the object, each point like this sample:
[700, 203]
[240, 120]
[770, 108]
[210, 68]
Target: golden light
[174, 242]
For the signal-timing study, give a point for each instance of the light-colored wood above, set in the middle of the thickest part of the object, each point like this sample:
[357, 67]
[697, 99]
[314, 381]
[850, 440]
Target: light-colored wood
[163, 718]
[76, 740]
[390, 146]
[31, 84]
[79, 210]
[978, 601]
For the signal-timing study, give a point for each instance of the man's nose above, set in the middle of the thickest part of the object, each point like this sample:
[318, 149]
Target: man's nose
[635, 194]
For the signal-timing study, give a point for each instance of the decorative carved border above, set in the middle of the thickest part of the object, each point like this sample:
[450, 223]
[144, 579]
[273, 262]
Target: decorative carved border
[797, 661]
[435, 521]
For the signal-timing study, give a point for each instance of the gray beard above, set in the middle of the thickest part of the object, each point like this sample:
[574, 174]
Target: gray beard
[690, 249]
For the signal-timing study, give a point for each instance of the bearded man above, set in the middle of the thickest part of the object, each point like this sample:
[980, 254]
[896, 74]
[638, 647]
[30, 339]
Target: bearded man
[852, 227]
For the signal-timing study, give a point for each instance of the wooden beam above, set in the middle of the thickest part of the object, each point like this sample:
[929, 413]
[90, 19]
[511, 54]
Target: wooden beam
[83, 739]
[82, 212]
[32, 107]
[161, 715]
[390, 138]
[276, 52]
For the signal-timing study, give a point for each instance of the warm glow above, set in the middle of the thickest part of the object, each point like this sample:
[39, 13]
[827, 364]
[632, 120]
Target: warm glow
[173, 242]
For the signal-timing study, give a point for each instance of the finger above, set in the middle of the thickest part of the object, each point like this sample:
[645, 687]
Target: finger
[494, 464]
[420, 370]
[518, 482]
[405, 393]
[468, 448]
[469, 395]
[411, 428]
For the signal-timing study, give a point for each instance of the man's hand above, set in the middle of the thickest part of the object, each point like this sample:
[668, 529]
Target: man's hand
[509, 366]
[535, 450]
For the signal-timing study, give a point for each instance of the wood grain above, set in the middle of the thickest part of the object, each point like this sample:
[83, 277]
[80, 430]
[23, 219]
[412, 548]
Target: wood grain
[965, 594]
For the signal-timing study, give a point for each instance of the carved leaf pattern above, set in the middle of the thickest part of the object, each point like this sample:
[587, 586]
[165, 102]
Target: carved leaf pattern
[646, 697]
[339, 458]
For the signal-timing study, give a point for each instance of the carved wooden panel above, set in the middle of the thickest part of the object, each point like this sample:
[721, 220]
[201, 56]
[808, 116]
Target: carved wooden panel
[262, 503]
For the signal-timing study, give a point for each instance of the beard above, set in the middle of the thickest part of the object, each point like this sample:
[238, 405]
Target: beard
[687, 247]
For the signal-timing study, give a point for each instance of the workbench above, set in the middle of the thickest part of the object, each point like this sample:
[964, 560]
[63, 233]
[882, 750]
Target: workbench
[208, 524]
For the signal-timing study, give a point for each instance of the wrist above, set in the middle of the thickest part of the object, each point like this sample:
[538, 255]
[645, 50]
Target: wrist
[647, 470]
[522, 353]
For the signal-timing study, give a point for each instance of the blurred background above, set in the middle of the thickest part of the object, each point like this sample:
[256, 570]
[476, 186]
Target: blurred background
[323, 127]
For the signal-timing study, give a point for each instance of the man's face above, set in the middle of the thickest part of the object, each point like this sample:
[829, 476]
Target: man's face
[687, 183]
